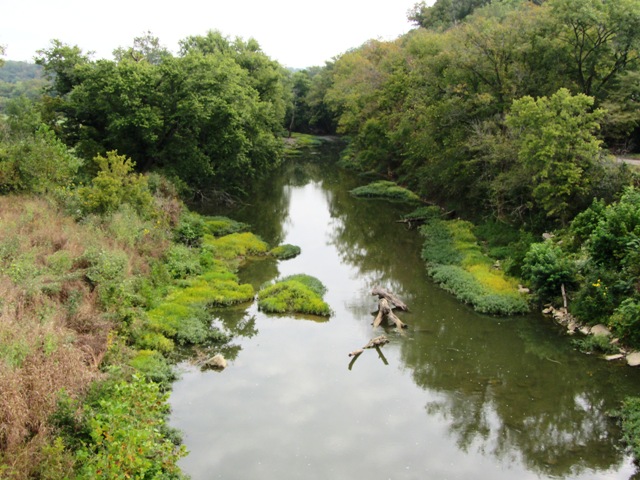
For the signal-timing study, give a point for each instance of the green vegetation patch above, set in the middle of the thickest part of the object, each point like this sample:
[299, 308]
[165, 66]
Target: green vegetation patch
[456, 262]
[387, 190]
[235, 245]
[285, 252]
[629, 415]
[220, 226]
[294, 294]
[297, 142]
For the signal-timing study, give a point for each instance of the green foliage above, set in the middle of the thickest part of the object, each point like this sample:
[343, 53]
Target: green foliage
[387, 190]
[456, 262]
[294, 294]
[424, 214]
[629, 415]
[595, 344]
[190, 229]
[125, 422]
[235, 245]
[285, 252]
[32, 158]
[182, 261]
[154, 367]
[546, 268]
[220, 226]
[555, 138]
[625, 321]
[114, 185]
[466, 287]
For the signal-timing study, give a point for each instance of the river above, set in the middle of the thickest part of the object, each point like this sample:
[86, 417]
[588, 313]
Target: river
[457, 395]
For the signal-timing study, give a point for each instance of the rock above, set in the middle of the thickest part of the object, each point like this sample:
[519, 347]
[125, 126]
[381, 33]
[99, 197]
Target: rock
[548, 311]
[600, 331]
[547, 236]
[572, 326]
[217, 361]
[633, 359]
[585, 330]
[523, 289]
[617, 356]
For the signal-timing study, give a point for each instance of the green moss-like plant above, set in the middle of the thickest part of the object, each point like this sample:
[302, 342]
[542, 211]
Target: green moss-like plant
[220, 226]
[387, 190]
[235, 245]
[456, 262]
[285, 252]
[295, 294]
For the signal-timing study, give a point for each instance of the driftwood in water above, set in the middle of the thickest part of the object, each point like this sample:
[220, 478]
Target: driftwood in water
[385, 312]
[390, 297]
[373, 343]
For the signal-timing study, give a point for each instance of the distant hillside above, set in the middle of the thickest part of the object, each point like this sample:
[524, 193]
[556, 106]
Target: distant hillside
[20, 79]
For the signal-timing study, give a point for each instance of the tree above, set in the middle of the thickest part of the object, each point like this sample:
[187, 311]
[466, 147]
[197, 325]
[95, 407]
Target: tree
[555, 140]
[602, 39]
[443, 13]
[62, 65]
[147, 47]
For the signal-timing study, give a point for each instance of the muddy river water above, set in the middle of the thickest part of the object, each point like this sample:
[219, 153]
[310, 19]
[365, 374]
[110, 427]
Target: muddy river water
[457, 395]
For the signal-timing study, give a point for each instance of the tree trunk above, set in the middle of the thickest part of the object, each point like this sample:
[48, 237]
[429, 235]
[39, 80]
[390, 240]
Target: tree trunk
[386, 313]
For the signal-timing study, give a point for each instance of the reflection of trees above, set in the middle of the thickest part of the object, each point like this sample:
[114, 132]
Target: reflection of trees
[510, 390]
[509, 402]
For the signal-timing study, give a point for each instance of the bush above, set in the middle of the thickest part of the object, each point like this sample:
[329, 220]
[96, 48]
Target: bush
[629, 415]
[115, 184]
[125, 423]
[190, 229]
[182, 261]
[625, 321]
[594, 344]
[546, 267]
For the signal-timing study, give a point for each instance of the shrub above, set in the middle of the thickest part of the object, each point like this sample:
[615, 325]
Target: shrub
[115, 184]
[546, 267]
[182, 261]
[154, 366]
[629, 415]
[125, 424]
[594, 344]
[625, 321]
[190, 229]
[285, 252]
[387, 190]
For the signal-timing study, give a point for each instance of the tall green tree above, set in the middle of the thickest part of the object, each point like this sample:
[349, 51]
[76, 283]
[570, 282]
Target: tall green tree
[556, 140]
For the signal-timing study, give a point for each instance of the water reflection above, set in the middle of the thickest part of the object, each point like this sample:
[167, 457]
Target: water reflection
[458, 395]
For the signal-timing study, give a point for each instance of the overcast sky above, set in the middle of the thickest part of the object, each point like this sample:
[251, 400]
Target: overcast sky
[297, 33]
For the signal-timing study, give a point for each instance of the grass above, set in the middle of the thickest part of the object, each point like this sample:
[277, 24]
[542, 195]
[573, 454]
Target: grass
[294, 145]
[386, 190]
[457, 263]
[294, 294]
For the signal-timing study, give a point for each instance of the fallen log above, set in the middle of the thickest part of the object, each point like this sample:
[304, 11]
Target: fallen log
[382, 293]
[373, 343]
[385, 312]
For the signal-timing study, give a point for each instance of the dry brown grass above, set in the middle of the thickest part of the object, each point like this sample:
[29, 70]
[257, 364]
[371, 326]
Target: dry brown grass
[53, 334]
